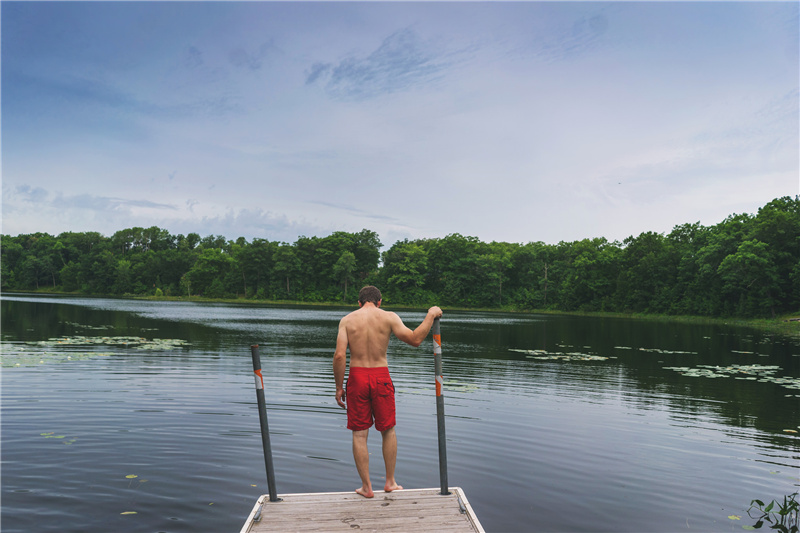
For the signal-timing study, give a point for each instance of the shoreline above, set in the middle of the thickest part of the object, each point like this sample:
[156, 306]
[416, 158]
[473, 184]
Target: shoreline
[787, 324]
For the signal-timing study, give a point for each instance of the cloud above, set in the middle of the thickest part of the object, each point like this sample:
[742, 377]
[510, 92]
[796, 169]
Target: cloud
[317, 70]
[193, 57]
[104, 203]
[33, 195]
[239, 57]
[358, 212]
[578, 39]
[399, 63]
[781, 110]
[249, 223]
[87, 98]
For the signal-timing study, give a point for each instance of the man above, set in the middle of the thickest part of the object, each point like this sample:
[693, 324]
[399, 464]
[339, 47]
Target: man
[370, 392]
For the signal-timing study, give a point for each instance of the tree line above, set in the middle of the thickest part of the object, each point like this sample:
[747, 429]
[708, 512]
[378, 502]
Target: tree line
[747, 265]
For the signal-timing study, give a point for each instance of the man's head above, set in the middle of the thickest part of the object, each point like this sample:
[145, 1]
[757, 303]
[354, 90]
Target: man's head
[369, 294]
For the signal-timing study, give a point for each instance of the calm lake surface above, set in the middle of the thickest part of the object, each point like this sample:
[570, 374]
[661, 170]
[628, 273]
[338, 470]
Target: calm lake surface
[554, 423]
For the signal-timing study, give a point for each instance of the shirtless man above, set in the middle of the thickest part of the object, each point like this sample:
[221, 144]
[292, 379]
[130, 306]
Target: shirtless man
[370, 391]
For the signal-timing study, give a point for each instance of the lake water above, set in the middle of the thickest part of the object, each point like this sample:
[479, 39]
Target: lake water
[554, 423]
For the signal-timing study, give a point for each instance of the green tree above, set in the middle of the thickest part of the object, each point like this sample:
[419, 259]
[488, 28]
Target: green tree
[208, 273]
[405, 267]
[10, 254]
[259, 263]
[123, 278]
[648, 272]
[102, 273]
[287, 265]
[452, 264]
[344, 269]
[366, 247]
[686, 240]
[213, 241]
[240, 255]
[777, 224]
[492, 271]
[750, 279]
[588, 269]
[723, 240]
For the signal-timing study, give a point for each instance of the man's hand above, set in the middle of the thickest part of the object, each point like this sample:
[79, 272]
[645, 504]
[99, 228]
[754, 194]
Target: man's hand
[435, 311]
[341, 398]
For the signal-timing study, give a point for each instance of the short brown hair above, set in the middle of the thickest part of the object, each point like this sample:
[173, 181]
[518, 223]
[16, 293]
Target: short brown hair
[369, 294]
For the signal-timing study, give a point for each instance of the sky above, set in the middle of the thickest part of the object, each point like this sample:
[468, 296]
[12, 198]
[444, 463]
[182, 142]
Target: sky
[512, 121]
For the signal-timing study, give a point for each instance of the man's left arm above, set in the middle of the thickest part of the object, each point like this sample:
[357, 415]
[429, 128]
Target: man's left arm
[415, 337]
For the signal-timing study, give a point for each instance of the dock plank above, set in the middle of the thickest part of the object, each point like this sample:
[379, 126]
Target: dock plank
[402, 510]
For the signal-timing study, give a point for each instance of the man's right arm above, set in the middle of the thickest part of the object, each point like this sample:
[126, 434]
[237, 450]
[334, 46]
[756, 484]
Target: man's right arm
[340, 363]
[415, 337]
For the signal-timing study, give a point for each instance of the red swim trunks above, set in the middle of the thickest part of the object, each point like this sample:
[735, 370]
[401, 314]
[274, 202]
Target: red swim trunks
[370, 396]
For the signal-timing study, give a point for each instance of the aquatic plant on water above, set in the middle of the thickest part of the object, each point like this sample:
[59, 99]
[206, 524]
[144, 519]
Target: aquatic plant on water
[759, 373]
[544, 355]
[63, 349]
[786, 518]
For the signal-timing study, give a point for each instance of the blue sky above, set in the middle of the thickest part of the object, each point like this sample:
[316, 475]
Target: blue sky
[516, 122]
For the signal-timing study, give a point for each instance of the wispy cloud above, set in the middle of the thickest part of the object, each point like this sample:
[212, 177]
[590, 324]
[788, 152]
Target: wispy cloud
[26, 193]
[192, 57]
[569, 38]
[239, 57]
[356, 211]
[583, 36]
[80, 93]
[249, 223]
[104, 203]
[402, 61]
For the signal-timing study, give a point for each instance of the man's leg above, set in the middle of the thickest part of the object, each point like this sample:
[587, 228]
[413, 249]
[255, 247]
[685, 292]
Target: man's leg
[361, 455]
[390, 458]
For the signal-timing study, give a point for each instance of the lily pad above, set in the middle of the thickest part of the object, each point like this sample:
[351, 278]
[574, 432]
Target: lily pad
[124, 341]
[560, 356]
[759, 373]
[659, 350]
[458, 386]
[63, 349]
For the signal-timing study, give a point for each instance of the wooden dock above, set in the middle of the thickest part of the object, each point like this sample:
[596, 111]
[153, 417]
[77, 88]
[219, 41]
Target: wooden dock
[401, 510]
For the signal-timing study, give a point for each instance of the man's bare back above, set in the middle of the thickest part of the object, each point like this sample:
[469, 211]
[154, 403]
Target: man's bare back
[366, 333]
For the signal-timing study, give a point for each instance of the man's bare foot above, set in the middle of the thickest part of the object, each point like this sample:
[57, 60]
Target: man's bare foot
[389, 487]
[365, 493]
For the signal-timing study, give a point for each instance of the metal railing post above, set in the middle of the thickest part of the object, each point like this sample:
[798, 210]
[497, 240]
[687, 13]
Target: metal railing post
[437, 362]
[262, 417]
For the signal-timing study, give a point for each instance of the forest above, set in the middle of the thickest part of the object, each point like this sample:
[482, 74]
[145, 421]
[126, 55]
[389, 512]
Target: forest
[745, 266]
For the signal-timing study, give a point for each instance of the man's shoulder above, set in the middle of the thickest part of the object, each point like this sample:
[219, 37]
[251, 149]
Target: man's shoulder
[390, 317]
[353, 315]
[358, 313]
[348, 316]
